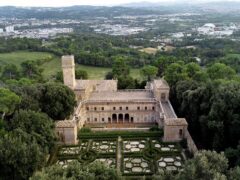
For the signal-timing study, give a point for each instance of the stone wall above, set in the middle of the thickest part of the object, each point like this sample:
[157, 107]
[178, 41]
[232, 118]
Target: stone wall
[174, 129]
[191, 145]
[67, 135]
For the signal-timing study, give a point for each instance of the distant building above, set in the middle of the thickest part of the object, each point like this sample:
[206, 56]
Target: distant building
[206, 29]
[9, 29]
[1, 30]
[178, 35]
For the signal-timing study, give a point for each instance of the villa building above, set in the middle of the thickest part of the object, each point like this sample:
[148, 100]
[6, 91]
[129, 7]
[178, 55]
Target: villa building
[102, 106]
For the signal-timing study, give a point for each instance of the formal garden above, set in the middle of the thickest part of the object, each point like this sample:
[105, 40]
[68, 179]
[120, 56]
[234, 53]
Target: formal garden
[132, 153]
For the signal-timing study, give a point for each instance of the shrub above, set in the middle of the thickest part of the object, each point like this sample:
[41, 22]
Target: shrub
[85, 130]
[115, 134]
[155, 128]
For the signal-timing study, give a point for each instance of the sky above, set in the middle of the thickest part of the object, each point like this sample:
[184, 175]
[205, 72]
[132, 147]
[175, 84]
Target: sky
[59, 3]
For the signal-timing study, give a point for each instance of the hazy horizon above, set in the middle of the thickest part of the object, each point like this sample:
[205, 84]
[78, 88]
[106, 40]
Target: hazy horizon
[63, 3]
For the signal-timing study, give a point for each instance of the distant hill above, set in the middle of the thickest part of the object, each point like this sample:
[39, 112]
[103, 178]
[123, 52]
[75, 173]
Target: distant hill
[74, 12]
[186, 5]
[146, 8]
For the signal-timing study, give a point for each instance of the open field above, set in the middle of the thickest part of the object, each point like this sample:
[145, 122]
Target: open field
[20, 56]
[52, 67]
[49, 68]
[233, 55]
[149, 50]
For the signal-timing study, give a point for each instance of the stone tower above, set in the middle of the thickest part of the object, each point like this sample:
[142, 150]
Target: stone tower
[68, 67]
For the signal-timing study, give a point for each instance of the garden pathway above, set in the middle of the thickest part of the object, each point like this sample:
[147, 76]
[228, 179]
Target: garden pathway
[119, 154]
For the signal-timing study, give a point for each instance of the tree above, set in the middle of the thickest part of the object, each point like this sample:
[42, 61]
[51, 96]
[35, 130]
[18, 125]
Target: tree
[109, 75]
[224, 115]
[8, 102]
[2, 127]
[36, 124]
[30, 69]
[20, 155]
[162, 63]
[20, 82]
[10, 71]
[174, 73]
[31, 96]
[58, 101]
[234, 173]
[81, 74]
[126, 82]
[205, 165]
[233, 156]
[75, 171]
[220, 71]
[59, 76]
[191, 69]
[149, 72]
[120, 68]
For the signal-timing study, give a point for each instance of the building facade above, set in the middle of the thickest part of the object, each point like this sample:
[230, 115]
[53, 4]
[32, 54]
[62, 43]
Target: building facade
[102, 105]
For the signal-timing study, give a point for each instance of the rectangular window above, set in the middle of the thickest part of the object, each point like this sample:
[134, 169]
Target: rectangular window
[114, 108]
[126, 108]
[87, 108]
[120, 108]
[102, 119]
[102, 108]
[153, 108]
[138, 108]
[95, 108]
[145, 107]
[88, 119]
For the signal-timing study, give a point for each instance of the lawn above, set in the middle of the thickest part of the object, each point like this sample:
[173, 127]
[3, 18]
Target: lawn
[233, 55]
[49, 68]
[52, 67]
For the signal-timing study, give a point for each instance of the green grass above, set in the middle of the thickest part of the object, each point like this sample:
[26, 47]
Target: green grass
[100, 72]
[94, 72]
[52, 67]
[18, 57]
[233, 55]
